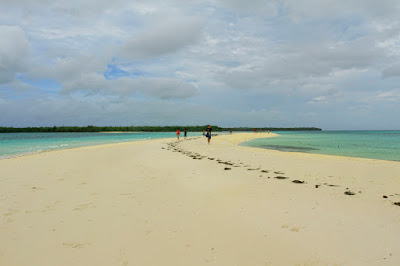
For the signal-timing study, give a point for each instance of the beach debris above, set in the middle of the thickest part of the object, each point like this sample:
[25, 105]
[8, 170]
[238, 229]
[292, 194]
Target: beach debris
[385, 197]
[397, 203]
[298, 181]
[281, 177]
[350, 193]
[264, 171]
[227, 168]
[316, 186]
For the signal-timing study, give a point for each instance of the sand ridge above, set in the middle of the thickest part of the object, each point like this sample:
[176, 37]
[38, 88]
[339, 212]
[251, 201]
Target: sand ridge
[169, 202]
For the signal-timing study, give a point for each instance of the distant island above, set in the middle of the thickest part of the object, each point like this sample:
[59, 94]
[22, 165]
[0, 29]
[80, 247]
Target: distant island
[144, 129]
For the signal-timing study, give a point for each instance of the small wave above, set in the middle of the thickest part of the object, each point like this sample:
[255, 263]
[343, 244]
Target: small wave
[57, 146]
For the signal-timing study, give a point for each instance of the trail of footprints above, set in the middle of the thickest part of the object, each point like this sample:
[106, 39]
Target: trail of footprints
[173, 146]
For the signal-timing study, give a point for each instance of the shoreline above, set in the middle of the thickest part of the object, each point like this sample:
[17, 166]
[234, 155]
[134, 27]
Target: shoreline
[249, 136]
[194, 204]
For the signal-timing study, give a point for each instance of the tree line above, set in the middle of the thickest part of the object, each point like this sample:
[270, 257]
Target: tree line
[143, 129]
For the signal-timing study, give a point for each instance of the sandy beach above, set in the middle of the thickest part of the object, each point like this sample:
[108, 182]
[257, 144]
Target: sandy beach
[169, 202]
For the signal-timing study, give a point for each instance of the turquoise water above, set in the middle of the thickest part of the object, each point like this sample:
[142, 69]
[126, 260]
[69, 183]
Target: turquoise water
[384, 145]
[14, 144]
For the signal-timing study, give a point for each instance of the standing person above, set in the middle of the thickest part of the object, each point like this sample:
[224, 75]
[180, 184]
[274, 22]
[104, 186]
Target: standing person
[177, 133]
[185, 133]
[208, 134]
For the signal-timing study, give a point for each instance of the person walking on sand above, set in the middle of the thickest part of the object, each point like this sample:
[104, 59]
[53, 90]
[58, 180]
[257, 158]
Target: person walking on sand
[177, 133]
[208, 134]
[185, 133]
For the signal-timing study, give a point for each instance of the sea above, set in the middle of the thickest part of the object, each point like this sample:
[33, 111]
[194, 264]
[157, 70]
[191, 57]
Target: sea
[17, 144]
[383, 145]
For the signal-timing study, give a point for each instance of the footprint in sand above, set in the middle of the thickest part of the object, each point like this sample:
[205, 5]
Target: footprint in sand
[292, 228]
[85, 206]
[75, 245]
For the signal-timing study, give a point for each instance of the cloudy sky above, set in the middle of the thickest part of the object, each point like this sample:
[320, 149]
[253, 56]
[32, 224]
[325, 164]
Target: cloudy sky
[280, 63]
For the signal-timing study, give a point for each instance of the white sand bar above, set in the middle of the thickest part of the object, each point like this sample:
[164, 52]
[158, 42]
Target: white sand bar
[145, 203]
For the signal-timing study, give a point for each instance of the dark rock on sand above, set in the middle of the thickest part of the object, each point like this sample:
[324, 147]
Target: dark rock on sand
[279, 173]
[384, 196]
[227, 168]
[281, 177]
[396, 203]
[350, 193]
[264, 171]
[298, 181]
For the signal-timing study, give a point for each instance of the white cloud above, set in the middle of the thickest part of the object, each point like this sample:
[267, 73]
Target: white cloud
[167, 37]
[227, 55]
[14, 52]
[393, 71]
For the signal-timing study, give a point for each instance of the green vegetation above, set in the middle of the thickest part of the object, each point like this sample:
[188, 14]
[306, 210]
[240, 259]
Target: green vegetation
[143, 129]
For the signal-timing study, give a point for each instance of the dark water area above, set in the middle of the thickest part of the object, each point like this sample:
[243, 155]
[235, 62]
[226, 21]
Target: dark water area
[287, 148]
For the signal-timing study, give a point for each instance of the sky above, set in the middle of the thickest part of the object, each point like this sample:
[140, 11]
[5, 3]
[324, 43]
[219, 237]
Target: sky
[274, 63]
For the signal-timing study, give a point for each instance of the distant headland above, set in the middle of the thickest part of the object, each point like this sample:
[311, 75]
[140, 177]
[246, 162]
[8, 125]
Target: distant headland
[145, 129]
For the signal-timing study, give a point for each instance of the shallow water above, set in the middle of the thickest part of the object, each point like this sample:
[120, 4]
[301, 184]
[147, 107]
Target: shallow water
[15, 144]
[384, 145]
